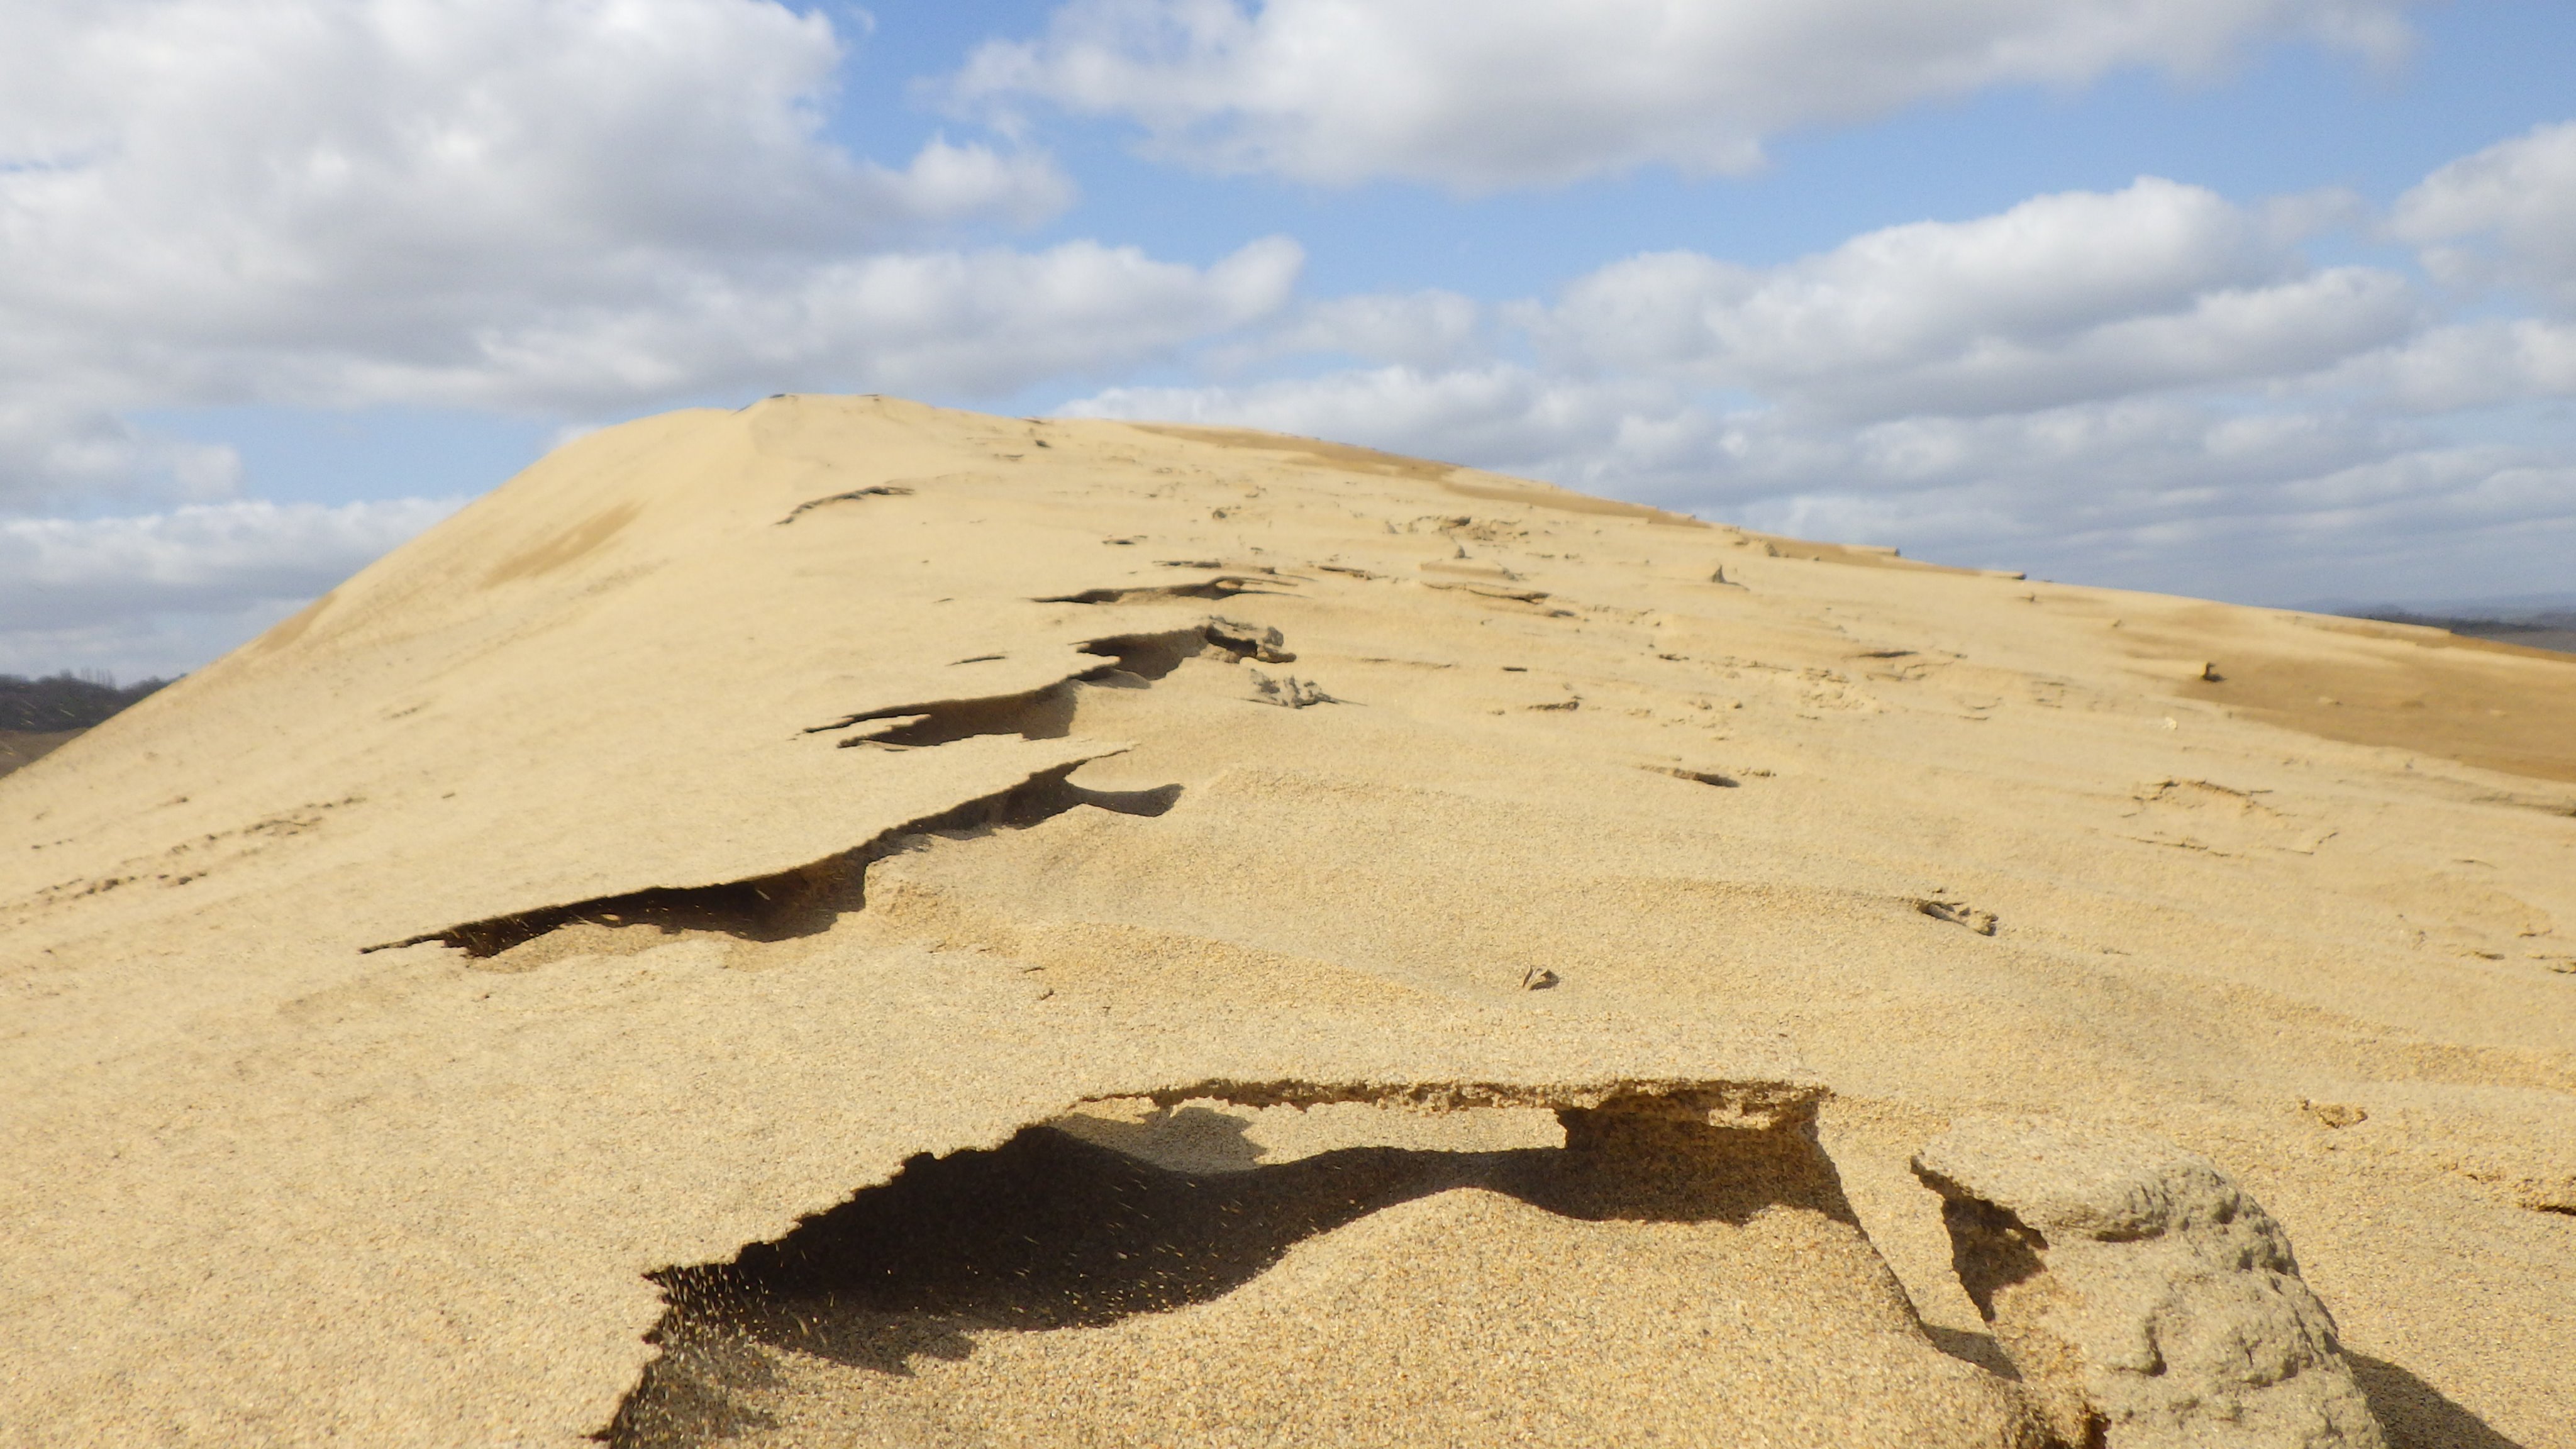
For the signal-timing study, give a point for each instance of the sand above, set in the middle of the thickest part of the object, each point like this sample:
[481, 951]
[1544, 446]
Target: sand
[552, 986]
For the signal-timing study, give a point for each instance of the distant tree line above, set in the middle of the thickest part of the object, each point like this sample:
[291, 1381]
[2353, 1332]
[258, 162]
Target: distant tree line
[65, 701]
[2505, 624]
[2542, 629]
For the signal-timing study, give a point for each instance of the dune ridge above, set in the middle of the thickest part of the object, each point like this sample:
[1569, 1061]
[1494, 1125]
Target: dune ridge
[508, 1002]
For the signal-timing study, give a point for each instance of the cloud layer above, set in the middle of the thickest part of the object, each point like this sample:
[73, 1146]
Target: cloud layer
[61, 573]
[1485, 94]
[2151, 386]
[2505, 215]
[560, 206]
[2061, 299]
[157, 593]
[571, 209]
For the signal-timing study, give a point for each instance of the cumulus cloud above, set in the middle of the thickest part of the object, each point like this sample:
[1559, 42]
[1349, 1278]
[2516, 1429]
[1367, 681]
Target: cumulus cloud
[2149, 386]
[158, 594]
[530, 205]
[574, 208]
[983, 321]
[2059, 299]
[567, 208]
[2190, 494]
[1643, 438]
[1425, 328]
[1501, 415]
[2506, 214]
[2467, 365]
[1482, 94]
[64, 573]
[97, 452]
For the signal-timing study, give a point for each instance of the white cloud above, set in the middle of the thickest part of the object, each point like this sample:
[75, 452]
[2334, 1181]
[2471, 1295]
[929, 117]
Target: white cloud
[2062, 298]
[161, 593]
[575, 208]
[131, 647]
[1426, 329]
[2188, 495]
[985, 321]
[1479, 94]
[440, 130]
[527, 205]
[94, 451]
[1500, 415]
[2467, 365]
[2505, 214]
[66, 573]
[2150, 386]
[1639, 438]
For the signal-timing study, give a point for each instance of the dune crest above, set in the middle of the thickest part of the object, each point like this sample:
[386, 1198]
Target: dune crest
[847, 922]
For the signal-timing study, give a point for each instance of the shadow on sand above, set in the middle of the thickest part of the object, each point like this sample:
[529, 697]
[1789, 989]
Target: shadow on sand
[1048, 1231]
[2415, 1414]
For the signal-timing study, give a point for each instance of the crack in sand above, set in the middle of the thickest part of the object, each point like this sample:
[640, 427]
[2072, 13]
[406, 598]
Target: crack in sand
[1046, 713]
[917, 1281]
[807, 899]
[803, 901]
[1223, 586]
[882, 490]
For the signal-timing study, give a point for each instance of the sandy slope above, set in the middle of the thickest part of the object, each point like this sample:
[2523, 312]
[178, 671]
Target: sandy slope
[750, 802]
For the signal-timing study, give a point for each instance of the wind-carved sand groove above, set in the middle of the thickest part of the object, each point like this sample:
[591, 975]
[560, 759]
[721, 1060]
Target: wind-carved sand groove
[1047, 713]
[1223, 586]
[855, 495]
[805, 901]
[1697, 777]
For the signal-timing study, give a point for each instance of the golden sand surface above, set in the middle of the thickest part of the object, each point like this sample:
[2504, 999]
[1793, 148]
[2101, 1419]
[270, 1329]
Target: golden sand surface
[1486, 955]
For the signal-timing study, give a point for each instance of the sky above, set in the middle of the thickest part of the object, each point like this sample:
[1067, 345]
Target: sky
[2271, 301]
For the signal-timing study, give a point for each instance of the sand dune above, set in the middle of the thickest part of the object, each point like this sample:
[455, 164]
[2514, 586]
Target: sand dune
[849, 923]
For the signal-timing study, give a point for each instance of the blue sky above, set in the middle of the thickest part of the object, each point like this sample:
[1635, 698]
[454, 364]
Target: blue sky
[2265, 300]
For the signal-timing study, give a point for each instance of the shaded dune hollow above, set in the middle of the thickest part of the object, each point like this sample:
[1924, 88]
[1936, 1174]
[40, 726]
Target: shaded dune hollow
[1303, 1270]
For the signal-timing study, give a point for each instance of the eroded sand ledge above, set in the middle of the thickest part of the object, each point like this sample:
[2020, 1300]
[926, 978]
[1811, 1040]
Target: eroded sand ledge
[1683, 1267]
[740, 812]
